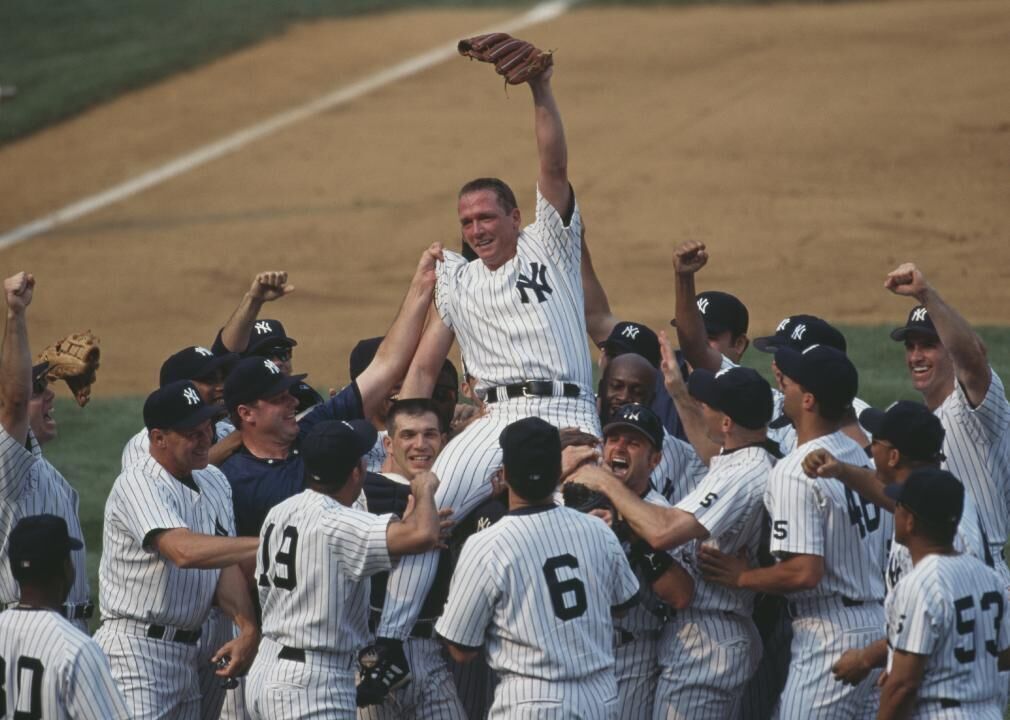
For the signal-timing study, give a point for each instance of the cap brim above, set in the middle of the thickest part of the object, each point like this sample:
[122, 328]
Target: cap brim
[631, 426]
[39, 370]
[269, 342]
[74, 544]
[611, 345]
[221, 361]
[204, 413]
[872, 419]
[899, 334]
[282, 383]
[789, 361]
[767, 343]
[366, 434]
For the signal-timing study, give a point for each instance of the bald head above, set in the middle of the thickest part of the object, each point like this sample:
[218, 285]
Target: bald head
[628, 378]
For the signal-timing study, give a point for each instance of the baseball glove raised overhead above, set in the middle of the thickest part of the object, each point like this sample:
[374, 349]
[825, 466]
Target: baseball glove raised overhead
[517, 60]
[74, 359]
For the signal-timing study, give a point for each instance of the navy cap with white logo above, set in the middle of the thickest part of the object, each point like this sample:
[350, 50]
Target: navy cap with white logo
[918, 321]
[195, 363]
[739, 392]
[255, 378]
[267, 336]
[177, 406]
[932, 494]
[800, 332]
[722, 312]
[333, 448]
[631, 337]
[39, 544]
[910, 427]
[531, 456]
[638, 417]
[824, 371]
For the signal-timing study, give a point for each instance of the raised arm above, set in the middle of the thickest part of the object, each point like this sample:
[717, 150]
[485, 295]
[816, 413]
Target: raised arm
[551, 146]
[688, 409]
[689, 258]
[399, 345]
[266, 287]
[16, 358]
[600, 321]
[429, 358]
[971, 362]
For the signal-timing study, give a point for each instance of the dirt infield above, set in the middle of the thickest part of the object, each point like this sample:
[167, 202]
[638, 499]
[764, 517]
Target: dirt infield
[812, 147]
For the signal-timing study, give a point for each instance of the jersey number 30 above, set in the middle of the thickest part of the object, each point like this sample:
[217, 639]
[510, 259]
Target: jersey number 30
[568, 597]
[284, 571]
[28, 692]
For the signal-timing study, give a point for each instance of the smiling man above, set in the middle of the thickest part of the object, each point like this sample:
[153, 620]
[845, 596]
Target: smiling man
[948, 364]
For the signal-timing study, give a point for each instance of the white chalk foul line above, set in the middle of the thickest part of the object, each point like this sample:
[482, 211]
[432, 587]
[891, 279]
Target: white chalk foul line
[202, 155]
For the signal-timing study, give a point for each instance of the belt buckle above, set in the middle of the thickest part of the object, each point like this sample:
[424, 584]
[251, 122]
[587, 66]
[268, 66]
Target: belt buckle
[526, 390]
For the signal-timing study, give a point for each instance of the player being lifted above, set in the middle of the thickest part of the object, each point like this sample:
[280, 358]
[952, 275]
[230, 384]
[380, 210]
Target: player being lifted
[517, 314]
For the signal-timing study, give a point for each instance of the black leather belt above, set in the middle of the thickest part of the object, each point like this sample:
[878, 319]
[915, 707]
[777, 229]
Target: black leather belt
[186, 637]
[79, 611]
[949, 703]
[292, 654]
[532, 388]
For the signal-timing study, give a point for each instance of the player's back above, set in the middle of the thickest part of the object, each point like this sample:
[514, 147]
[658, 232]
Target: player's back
[953, 609]
[554, 572]
[52, 670]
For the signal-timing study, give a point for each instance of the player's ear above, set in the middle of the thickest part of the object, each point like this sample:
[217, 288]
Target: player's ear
[387, 443]
[740, 344]
[654, 459]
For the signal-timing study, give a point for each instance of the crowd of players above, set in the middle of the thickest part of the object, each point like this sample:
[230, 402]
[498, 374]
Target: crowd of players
[729, 549]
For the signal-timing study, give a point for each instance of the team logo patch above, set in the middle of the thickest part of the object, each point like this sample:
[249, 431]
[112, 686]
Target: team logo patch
[799, 331]
[919, 315]
[203, 351]
[703, 305]
[191, 397]
[631, 331]
[269, 365]
[535, 281]
[262, 328]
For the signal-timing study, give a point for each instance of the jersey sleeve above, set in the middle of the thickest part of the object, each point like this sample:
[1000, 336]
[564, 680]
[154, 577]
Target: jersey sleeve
[990, 421]
[473, 595]
[550, 232]
[16, 462]
[719, 502]
[345, 405]
[358, 539]
[917, 620]
[794, 504]
[445, 275]
[145, 507]
[134, 451]
[89, 690]
[679, 470]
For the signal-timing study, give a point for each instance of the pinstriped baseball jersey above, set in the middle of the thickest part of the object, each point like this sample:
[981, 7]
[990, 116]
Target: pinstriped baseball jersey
[729, 503]
[50, 669]
[138, 447]
[785, 436]
[823, 517]
[134, 581]
[313, 565]
[29, 485]
[679, 470]
[643, 617]
[969, 539]
[952, 608]
[538, 586]
[525, 320]
[977, 446]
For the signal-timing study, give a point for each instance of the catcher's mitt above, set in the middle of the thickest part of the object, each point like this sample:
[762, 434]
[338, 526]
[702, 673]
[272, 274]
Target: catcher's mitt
[581, 498]
[517, 60]
[74, 359]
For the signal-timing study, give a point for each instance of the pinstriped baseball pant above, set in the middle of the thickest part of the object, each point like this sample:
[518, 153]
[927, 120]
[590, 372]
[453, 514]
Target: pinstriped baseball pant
[320, 687]
[431, 693]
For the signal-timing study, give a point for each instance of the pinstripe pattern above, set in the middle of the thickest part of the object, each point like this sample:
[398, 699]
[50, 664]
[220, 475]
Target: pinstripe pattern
[136, 582]
[679, 470]
[217, 629]
[786, 436]
[321, 688]
[138, 447]
[505, 340]
[500, 595]
[465, 468]
[29, 485]
[431, 693]
[336, 550]
[709, 651]
[977, 446]
[66, 667]
[929, 614]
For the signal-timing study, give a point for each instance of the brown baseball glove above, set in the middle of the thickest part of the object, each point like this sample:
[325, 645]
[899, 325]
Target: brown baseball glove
[74, 359]
[517, 60]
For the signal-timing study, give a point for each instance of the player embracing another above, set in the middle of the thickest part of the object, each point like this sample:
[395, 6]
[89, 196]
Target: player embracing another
[539, 588]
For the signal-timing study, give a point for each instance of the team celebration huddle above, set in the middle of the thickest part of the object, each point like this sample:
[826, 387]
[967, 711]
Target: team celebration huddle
[506, 536]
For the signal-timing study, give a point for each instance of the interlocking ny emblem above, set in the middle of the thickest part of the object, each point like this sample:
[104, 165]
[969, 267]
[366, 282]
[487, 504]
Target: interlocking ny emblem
[798, 332]
[191, 397]
[633, 416]
[703, 305]
[203, 351]
[919, 315]
[631, 331]
[262, 327]
[538, 283]
[782, 325]
[269, 365]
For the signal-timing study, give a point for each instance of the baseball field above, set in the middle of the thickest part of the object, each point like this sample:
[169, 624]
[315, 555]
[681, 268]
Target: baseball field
[813, 147]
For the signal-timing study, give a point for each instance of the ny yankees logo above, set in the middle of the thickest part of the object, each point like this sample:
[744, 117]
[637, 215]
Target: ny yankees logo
[633, 416]
[537, 283]
[798, 332]
[483, 523]
[631, 331]
[269, 365]
[782, 325]
[203, 351]
[262, 328]
[703, 305]
[919, 315]
[191, 397]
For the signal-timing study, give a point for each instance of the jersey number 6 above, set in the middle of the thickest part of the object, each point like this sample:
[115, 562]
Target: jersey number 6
[559, 588]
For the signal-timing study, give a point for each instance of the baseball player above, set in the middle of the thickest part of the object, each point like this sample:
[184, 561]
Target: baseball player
[245, 333]
[29, 485]
[539, 588]
[631, 450]
[947, 625]
[267, 468]
[316, 553]
[49, 668]
[709, 650]
[518, 316]
[831, 543]
[948, 365]
[630, 378]
[167, 555]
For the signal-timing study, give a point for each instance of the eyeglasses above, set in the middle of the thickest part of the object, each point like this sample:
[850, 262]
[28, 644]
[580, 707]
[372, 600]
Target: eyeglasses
[279, 353]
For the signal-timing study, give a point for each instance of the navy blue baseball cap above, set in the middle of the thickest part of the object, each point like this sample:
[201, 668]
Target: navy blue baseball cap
[631, 337]
[362, 355]
[38, 544]
[255, 378]
[932, 494]
[800, 332]
[177, 406]
[39, 377]
[267, 336]
[722, 312]
[195, 363]
[918, 321]
[531, 456]
[638, 417]
[824, 371]
[739, 392]
[910, 427]
[333, 448]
